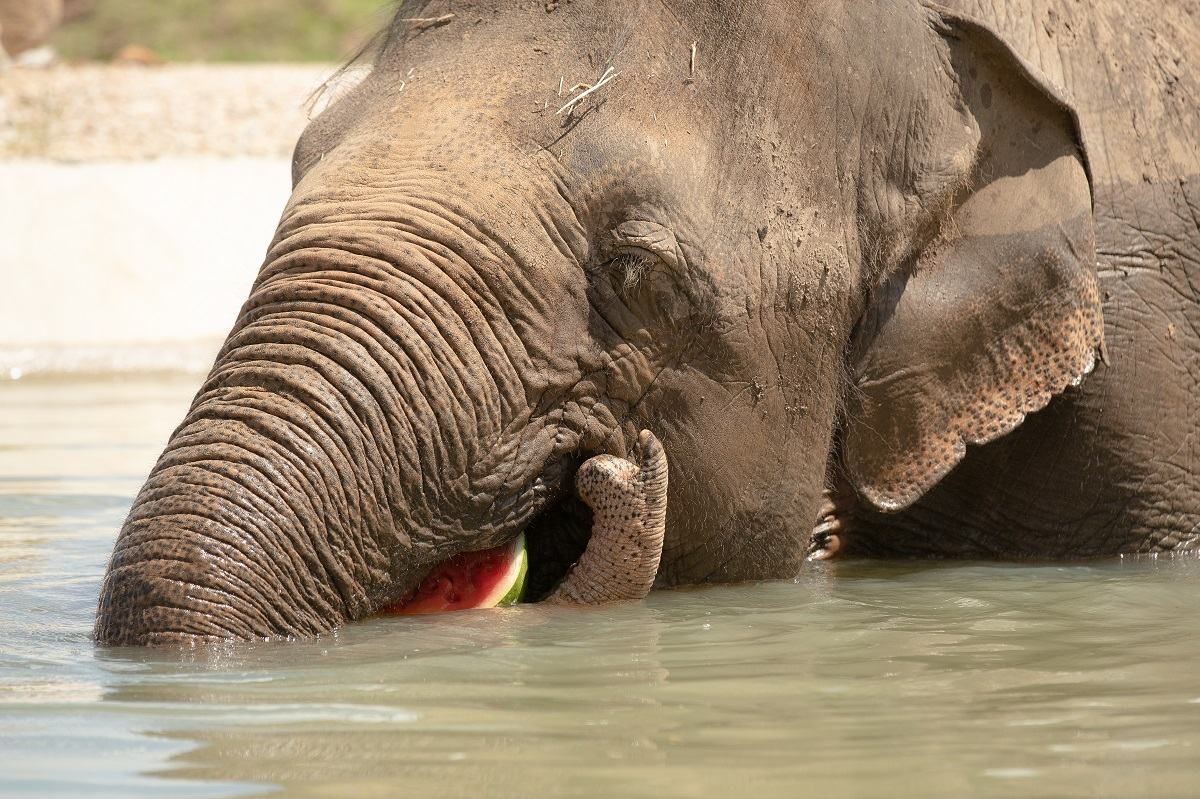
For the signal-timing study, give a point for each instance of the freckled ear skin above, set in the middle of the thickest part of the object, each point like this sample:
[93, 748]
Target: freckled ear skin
[1001, 310]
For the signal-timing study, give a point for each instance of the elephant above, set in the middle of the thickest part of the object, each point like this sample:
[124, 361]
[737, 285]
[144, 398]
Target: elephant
[27, 24]
[921, 273]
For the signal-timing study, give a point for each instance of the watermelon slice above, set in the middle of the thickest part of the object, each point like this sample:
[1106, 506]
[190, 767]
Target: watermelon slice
[487, 579]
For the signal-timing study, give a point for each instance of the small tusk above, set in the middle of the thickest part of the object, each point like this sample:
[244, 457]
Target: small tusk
[827, 527]
[831, 547]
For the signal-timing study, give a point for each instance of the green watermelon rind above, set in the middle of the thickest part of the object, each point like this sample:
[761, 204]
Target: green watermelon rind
[518, 587]
[507, 590]
[513, 582]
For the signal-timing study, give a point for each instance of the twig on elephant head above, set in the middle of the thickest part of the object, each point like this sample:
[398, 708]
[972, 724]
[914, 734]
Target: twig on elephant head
[607, 77]
[424, 23]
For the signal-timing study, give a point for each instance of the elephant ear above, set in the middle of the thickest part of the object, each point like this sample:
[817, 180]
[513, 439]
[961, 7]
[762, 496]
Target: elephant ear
[1000, 310]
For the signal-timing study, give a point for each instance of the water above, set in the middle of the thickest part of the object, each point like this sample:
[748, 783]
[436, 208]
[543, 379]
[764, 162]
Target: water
[859, 680]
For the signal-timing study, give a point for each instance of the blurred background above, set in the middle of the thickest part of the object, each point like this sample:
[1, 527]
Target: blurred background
[218, 30]
[144, 161]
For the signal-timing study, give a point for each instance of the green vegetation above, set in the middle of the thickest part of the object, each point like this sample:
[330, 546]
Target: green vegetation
[226, 30]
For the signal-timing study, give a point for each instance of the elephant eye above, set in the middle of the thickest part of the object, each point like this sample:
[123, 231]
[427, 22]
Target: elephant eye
[651, 238]
[645, 266]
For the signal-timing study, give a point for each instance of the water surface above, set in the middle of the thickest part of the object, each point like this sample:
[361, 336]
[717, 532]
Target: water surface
[859, 680]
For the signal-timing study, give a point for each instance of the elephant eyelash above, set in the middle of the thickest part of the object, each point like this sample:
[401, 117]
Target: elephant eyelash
[627, 268]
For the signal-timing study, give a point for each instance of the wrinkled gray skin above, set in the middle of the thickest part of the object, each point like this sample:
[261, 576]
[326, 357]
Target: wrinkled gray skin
[1111, 466]
[856, 238]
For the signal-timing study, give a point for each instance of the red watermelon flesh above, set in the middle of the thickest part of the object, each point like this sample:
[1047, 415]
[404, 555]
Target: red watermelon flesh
[484, 579]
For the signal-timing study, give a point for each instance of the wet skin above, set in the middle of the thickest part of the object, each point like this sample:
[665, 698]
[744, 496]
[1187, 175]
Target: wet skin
[798, 262]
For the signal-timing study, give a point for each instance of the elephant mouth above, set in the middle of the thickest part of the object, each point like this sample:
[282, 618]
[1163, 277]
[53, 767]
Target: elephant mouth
[556, 539]
[550, 544]
[601, 542]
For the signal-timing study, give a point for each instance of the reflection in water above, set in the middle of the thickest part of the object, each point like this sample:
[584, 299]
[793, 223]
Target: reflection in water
[919, 680]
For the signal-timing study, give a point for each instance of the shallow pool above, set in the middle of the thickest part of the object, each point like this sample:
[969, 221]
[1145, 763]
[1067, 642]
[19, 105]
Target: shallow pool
[860, 680]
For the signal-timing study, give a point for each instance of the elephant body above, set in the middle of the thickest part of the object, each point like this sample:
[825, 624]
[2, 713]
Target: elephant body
[947, 274]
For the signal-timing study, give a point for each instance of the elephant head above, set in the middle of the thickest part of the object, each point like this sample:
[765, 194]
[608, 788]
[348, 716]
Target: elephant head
[783, 237]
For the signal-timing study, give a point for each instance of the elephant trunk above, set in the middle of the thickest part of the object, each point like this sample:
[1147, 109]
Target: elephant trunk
[219, 541]
[629, 505]
[362, 424]
[348, 438]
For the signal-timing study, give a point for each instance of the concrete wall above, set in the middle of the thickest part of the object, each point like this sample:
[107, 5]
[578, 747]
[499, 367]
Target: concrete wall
[135, 265]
